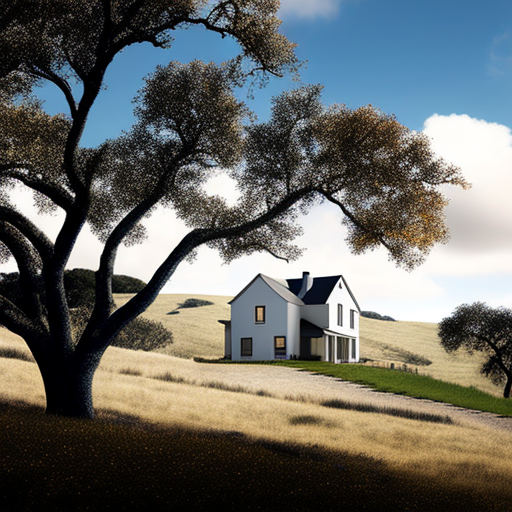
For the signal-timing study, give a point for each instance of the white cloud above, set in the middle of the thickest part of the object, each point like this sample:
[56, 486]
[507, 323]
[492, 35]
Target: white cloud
[474, 265]
[479, 219]
[309, 9]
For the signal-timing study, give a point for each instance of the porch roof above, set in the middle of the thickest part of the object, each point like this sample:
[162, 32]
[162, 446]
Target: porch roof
[309, 330]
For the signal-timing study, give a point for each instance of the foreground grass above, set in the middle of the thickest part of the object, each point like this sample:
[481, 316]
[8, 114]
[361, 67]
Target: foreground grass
[409, 384]
[50, 463]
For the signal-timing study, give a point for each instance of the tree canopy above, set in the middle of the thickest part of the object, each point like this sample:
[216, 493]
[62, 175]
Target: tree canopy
[384, 178]
[481, 328]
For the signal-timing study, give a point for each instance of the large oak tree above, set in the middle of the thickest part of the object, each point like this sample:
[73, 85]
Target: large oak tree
[384, 178]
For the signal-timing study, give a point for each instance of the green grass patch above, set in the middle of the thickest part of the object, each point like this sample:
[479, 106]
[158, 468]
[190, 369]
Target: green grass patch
[409, 384]
[56, 464]
[398, 382]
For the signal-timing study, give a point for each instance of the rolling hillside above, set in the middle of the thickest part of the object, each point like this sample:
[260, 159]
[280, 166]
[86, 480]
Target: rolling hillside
[197, 332]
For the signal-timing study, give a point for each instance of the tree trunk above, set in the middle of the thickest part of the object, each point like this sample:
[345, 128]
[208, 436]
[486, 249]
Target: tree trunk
[508, 385]
[68, 387]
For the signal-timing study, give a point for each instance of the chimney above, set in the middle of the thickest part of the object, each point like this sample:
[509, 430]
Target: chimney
[307, 283]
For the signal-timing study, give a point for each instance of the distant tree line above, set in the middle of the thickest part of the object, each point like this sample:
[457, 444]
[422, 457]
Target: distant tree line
[376, 316]
[79, 283]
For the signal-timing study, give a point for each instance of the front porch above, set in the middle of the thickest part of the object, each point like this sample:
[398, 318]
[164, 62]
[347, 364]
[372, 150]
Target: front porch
[327, 345]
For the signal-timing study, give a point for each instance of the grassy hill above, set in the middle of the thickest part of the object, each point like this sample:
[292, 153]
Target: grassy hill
[197, 332]
[235, 432]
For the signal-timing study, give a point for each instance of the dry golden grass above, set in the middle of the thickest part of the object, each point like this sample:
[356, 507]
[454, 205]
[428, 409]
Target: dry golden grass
[459, 452]
[126, 383]
[197, 332]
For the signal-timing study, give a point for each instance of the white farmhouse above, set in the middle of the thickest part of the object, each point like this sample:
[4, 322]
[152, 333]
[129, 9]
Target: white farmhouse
[308, 318]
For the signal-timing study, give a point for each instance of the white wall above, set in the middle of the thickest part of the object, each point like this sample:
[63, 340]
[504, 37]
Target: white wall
[293, 339]
[243, 323]
[316, 314]
[342, 296]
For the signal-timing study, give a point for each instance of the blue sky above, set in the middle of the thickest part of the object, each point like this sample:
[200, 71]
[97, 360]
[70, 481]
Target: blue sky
[443, 66]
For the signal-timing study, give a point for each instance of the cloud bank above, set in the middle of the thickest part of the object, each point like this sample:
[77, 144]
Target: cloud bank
[476, 264]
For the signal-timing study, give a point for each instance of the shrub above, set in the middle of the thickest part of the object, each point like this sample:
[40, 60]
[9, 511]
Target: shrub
[143, 334]
[139, 334]
[126, 284]
[80, 286]
[416, 359]
[376, 316]
[194, 303]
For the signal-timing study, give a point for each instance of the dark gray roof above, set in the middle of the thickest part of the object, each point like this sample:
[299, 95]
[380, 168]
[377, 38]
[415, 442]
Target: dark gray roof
[319, 292]
[282, 290]
[289, 288]
[275, 285]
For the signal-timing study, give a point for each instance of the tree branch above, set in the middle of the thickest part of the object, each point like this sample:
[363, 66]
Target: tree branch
[59, 196]
[103, 302]
[61, 84]
[137, 304]
[15, 319]
[27, 265]
[42, 244]
[272, 253]
[355, 221]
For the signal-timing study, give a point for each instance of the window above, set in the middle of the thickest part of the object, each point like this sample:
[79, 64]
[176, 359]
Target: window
[246, 348]
[353, 348]
[352, 319]
[280, 346]
[259, 314]
[340, 314]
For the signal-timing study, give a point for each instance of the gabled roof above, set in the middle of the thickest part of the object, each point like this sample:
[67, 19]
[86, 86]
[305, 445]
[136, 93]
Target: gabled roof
[288, 289]
[278, 287]
[319, 292]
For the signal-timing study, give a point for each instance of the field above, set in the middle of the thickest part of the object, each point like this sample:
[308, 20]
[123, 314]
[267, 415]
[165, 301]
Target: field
[197, 332]
[242, 431]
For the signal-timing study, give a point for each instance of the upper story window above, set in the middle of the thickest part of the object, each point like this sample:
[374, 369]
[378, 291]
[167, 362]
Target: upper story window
[340, 314]
[352, 319]
[259, 314]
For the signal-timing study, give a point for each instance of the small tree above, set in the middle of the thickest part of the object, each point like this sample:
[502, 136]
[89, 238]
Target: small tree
[384, 178]
[478, 327]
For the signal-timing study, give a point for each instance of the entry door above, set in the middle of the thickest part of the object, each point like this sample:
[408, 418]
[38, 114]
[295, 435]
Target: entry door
[305, 347]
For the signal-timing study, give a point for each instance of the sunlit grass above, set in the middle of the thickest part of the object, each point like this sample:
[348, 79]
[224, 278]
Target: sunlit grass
[197, 332]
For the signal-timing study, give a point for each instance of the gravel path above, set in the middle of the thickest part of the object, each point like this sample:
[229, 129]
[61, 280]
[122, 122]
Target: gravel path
[287, 382]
